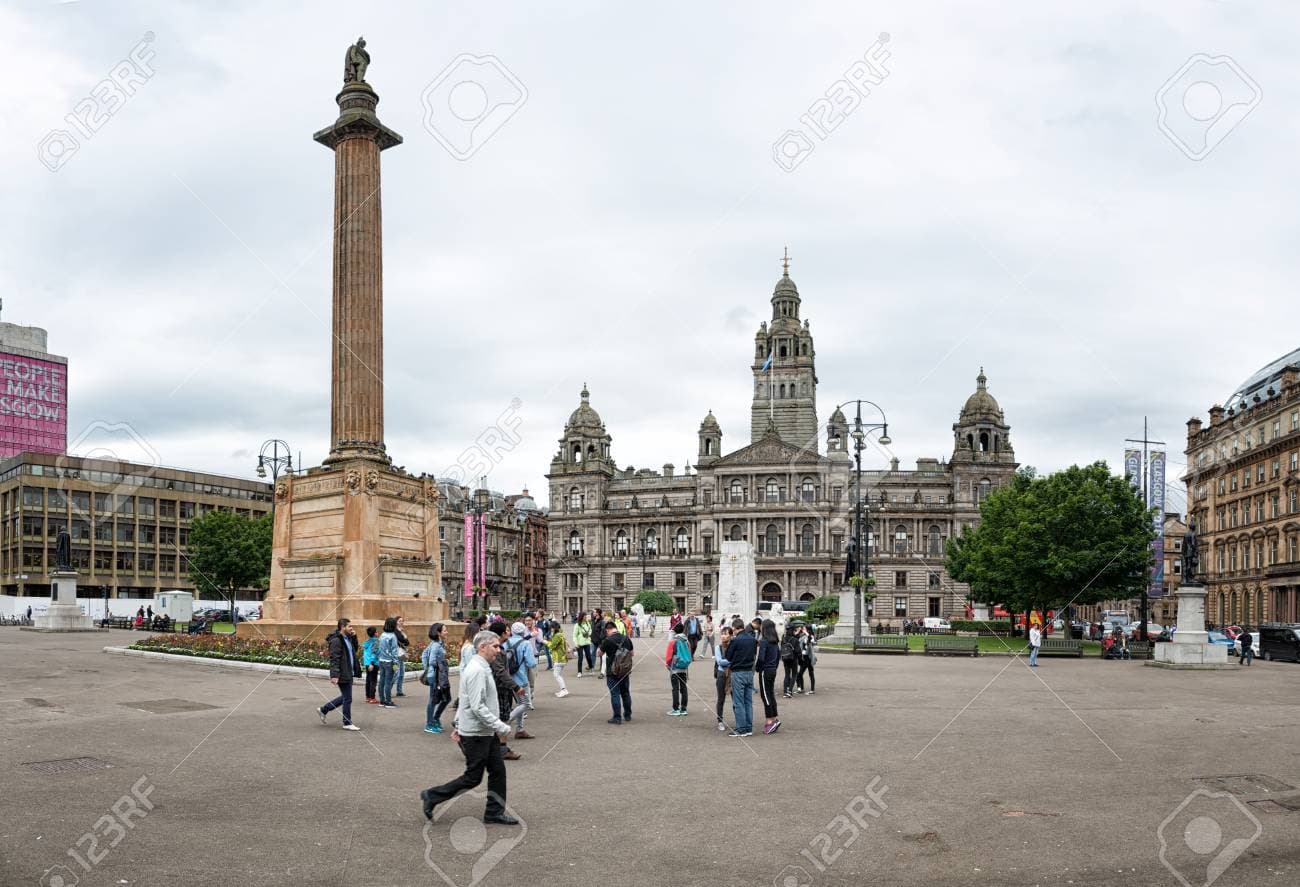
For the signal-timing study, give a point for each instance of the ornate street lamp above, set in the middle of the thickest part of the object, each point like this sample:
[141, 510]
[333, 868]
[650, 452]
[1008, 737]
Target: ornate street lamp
[861, 554]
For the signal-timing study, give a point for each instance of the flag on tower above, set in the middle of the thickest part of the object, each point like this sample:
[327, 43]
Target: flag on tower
[767, 364]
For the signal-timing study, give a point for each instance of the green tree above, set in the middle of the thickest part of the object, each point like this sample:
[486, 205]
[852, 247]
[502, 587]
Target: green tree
[229, 551]
[654, 601]
[1079, 536]
[824, 609]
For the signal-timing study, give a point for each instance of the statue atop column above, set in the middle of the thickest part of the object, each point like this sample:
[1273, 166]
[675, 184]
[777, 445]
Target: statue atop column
[1191, 554]
[355, 62]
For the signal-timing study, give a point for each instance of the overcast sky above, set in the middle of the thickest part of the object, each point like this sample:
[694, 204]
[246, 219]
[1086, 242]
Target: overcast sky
[1003, 196]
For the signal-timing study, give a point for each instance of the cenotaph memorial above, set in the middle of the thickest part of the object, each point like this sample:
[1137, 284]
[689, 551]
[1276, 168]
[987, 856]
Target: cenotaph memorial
[1190, 647]
[355, 537]
[737, 581]
[64, 613]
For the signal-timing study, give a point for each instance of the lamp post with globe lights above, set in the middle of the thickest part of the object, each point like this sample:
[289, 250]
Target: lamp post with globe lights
[859, 554]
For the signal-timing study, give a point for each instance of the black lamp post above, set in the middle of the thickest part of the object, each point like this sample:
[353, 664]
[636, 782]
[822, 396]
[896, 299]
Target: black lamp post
[275, 461]
[482, 503]
[859, 433]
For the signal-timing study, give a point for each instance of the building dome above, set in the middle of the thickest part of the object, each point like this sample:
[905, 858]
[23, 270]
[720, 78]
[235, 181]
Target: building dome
[710, 423]
[981, 404]
[785, 286]
[525, 503]
[837, 417]
[584, 416]
[1261, 381]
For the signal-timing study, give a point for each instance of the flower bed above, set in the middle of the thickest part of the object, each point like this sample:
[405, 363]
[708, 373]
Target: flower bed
[302, 654]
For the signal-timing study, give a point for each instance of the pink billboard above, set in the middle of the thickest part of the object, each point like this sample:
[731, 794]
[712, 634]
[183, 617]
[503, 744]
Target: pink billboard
[33, 405]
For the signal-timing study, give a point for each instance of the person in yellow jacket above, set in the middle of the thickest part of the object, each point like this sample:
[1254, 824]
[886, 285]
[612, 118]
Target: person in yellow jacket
[582, 642]
[559, 658]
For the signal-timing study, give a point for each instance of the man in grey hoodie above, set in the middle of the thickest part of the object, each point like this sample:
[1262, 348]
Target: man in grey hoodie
[477, 727]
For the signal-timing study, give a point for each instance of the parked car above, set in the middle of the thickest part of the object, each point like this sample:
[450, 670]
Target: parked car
[1218, 637]
[1277, 641]
[1153, 630]
[1232, 631]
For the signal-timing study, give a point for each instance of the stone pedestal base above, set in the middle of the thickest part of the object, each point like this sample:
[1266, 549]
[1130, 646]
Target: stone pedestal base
[843, 631]
[1190, 647]
[64, 613]
[357, 541]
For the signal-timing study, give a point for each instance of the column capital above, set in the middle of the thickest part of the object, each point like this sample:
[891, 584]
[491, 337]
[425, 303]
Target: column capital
[357, 119]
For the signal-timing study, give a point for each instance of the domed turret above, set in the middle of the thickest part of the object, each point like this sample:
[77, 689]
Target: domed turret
[710, 441]
[585, 444]
[584, 417]
[981, 404]
[981, 431]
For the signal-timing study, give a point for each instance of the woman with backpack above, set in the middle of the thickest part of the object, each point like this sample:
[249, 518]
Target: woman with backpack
[438, 678]
[722, 672]
[769, 656]
[807, 659]
[678, 660]
[789, 659]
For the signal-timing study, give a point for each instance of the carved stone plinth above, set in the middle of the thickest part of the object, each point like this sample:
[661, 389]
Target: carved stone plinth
[1190, 648]
[64, 613]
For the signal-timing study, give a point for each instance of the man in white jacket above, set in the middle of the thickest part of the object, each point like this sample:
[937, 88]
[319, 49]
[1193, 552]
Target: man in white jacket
[477, 726]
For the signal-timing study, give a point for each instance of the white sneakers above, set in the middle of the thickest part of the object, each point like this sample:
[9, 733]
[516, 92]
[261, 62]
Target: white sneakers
[561, 694]
[352, 727]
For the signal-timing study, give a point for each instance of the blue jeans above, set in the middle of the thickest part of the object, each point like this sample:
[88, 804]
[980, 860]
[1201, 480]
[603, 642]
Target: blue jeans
[438, 699]
[387, 674]
[1033, 655]
[742, 700]
[343, 701]
[620, 696]
[547, 651]
[401, 674]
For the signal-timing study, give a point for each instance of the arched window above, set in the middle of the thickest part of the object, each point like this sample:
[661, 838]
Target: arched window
[985, 487]
[575, 544]
[591, 451]
[620, 544]
[772, 540]
[577, 453]
[783, 351]
[782, 389]
[936, 542]
[682, 541]
[984, 441]
[651, 543]
[736, 533]
[575, 499]
[773, 490]
[900, 539]
[737, 491]
[708, 446]
[807, 490]
[970, 441]
[805, 349]
[806, 539]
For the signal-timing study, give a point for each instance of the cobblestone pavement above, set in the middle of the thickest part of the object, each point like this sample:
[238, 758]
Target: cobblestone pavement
[987, 773]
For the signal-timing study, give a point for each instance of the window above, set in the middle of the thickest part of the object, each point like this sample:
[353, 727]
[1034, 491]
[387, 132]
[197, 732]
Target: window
[936, 542]
[736, 533]
[679, 580]
[575, 499]
[571, 581]
[806, 540]
[680, 604]
[707, 542]
[33, 526]
[900, 539]
[1291, 545]
[651, 545]
[166, 535]
[125, 505]
[708, 581]
[934, 580]
[647, 580]
[773, 491]
[81, 501]
[1259, 473]
[985, 486]
[900, 579]
[187, 510]
[620, 581]
[681, 542]
[620, 544]
[104, 531]
[145, 507]
[166, 507]
[575, 544]
[807, 491]
[900, 606]
[1277, 468]
[933, 606]
[737, 492]
[771, 540]
[837, 544]
[126, 561]
[147, 534]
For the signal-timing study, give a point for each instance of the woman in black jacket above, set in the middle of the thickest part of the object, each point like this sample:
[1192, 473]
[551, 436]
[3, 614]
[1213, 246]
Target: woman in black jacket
[769, 658]
[405, 644]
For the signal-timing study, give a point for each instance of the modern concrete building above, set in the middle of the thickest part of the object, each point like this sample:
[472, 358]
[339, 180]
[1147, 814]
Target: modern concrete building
[1243, 488]
[789, 491]
[129, 523]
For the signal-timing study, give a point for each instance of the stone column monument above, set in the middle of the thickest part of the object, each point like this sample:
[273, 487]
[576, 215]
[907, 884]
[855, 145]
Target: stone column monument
[355, 537]
[737, 581]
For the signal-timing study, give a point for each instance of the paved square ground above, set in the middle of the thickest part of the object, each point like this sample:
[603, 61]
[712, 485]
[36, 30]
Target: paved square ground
[990, 773]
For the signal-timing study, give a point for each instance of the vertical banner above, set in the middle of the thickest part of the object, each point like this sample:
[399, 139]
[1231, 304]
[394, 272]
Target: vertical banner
[1156, 500]
[1133, 469]
[471, 554]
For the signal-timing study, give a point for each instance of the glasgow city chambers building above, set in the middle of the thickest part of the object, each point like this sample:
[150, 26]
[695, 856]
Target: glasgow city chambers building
[789, 491]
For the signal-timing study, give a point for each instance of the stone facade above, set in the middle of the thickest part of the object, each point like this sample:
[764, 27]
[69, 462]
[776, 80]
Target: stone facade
[515, 534]
[1243, 489]
[615, 531]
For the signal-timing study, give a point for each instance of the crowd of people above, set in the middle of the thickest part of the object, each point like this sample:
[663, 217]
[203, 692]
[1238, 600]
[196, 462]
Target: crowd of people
[499, 661]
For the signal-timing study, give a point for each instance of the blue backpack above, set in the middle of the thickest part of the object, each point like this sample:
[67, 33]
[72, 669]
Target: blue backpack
[682, 655]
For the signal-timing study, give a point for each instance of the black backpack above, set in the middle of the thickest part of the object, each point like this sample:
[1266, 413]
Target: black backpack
[621, 667]
[789, 648]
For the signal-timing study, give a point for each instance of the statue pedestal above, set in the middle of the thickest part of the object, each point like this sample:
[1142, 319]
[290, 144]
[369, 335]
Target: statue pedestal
[843, 631]
[1190, 648]
[737, 582]
[64, 613]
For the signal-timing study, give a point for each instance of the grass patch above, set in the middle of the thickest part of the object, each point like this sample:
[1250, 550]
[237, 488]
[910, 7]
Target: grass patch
[988, 645]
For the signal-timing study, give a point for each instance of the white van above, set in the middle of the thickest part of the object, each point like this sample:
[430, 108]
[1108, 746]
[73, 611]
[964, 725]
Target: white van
[934, 623]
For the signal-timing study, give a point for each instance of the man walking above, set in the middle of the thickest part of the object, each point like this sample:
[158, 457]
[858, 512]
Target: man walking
[742, 652]
[1035, 641]
[344, 666]
[617, 651]
[477, 728]
[1247, 650]
[694, 631]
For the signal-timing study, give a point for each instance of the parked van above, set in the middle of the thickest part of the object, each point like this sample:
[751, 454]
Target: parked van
[1278, 641]
[934, 623]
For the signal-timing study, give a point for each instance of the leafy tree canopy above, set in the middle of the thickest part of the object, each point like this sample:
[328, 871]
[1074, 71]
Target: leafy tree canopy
[229, 551]
[655, 601]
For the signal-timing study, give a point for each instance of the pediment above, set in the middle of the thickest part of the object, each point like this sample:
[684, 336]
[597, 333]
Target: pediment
[771, 450]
